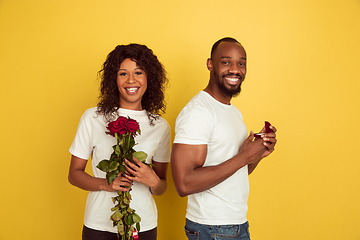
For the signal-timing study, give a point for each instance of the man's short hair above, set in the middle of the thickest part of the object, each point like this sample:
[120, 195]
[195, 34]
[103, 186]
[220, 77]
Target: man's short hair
[225, 39]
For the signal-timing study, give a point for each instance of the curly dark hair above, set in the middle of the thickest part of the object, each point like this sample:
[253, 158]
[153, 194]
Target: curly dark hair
[153, 99]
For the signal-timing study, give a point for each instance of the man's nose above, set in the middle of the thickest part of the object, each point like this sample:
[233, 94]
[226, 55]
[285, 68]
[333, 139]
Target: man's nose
[234, 68]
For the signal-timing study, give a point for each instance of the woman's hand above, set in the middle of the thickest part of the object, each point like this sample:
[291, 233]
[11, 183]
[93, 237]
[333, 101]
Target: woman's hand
[78, 177]
[121, 183]
[142, 173]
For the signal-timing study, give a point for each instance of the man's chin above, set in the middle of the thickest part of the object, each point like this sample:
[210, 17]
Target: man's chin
[234, 93]
[231, 92]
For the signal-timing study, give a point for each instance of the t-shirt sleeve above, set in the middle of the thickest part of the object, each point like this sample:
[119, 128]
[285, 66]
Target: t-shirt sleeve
[162, 154]
[193, 126]
[81, 146]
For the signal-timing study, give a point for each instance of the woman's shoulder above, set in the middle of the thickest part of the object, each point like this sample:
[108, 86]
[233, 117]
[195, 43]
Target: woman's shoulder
[163, 122]
[159, 123]
[90, 112]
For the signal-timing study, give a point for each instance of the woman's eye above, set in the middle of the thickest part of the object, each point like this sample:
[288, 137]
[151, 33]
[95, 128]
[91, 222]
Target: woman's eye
[138, 73]
[122, 74]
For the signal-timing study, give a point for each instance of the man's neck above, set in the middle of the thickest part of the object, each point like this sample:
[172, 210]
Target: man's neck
[216, 93]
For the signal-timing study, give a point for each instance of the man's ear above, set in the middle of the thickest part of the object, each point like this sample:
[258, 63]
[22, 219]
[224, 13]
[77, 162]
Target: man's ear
[209, 64]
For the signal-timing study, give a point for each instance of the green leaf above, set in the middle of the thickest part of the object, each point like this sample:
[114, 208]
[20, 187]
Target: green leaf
[115, 209]
[120, 141]
[126, 201]
[116, 216]
[140, 155]
[136, 218]
[104, 165]
[130, 233]
[138, 227]
[129, 220]
[131, 142]
[122, 168]
[120, 227]
[114, 157]
[128, 195]
[113, 166]
[111, 176]
[117, 150]
[128, 156]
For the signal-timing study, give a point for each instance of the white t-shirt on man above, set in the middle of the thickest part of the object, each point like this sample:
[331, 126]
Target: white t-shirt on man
[204, 120]
[91, 140]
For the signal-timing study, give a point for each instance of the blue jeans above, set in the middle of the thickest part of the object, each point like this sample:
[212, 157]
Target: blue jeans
[196, 231]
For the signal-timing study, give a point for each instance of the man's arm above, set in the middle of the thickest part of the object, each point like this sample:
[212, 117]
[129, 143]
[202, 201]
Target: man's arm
[191, 177]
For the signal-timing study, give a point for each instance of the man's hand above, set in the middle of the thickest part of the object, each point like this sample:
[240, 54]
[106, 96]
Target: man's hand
[253, 150]
[269, 141]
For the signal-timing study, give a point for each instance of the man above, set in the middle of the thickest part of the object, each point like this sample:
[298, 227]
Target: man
[212, 153]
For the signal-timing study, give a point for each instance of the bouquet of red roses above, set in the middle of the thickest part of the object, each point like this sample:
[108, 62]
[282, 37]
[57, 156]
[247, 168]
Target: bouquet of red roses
[124, 130]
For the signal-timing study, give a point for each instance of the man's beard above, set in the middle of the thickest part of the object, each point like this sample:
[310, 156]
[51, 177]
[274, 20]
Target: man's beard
[220, 81]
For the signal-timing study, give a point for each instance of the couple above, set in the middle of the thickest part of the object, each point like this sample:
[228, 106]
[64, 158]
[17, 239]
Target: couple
[211, 157]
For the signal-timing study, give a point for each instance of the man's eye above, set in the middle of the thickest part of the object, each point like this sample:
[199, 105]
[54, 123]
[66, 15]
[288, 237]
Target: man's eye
[225, 63]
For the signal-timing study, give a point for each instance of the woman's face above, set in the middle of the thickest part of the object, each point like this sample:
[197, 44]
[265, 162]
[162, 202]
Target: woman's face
[132, 83]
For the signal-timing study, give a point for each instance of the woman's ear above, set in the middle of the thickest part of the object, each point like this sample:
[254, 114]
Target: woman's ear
[209, 64]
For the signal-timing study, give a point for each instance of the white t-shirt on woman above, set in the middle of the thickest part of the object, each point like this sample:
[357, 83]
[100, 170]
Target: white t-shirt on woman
[91, 140]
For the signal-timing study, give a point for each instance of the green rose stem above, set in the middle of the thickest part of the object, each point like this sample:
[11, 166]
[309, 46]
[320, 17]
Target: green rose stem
[123, 217]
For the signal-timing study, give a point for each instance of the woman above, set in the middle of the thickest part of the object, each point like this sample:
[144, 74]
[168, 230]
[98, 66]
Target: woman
[132, 85]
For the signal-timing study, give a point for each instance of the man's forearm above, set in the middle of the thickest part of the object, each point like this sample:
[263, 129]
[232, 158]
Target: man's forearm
[252, 166]
[203, 178]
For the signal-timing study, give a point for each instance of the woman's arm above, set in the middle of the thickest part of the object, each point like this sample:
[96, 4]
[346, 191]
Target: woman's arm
[79, 178]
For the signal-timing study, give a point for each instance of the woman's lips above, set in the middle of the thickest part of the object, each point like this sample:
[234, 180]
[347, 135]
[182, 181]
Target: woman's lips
[132, 90]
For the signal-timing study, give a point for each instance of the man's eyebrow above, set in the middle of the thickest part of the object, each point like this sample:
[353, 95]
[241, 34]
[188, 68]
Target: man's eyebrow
[242, 58]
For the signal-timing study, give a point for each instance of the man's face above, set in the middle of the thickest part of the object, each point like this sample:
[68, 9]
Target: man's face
[229, 67]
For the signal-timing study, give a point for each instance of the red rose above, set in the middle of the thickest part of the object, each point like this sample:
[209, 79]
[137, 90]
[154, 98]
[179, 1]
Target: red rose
[132, 126]
[117, 126]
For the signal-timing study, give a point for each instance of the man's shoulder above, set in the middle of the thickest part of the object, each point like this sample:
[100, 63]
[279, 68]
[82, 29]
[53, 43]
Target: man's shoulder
[197, 104]
[201, 100]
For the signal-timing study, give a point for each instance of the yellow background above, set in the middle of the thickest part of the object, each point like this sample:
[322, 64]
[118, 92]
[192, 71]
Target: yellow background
[303, 77]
